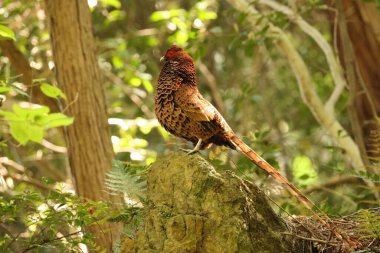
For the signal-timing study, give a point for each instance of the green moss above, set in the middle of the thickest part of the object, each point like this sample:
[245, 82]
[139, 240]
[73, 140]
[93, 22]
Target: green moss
[196, 209]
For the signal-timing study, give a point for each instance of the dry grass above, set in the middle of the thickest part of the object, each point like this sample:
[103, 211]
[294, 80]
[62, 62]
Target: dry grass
[315, 237]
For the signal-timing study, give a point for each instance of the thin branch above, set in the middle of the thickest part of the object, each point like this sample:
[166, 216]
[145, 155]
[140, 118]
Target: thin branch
[25, 179]
[131, 93]
[326, 119]
[332, 60]
[53, 147]
[333, 182]
[52, 240]
[212, 85]
[5, 160]
[312, 239]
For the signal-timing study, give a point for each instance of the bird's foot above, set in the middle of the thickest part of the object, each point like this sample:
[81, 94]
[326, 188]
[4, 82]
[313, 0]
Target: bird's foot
[195, 150]
[189, 151]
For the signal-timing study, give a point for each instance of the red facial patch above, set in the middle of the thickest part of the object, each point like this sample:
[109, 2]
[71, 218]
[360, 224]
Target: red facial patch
[171, 53]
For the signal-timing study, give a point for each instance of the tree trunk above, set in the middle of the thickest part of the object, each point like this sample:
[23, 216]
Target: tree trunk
[359, 49]
[192, 208]
[21, 66]
[78, 74]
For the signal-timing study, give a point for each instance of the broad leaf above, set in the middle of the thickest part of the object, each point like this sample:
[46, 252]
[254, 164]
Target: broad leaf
[7, 33]
[52, 91]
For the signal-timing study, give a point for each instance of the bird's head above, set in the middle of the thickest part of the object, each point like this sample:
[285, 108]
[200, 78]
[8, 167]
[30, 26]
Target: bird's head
[175, 53]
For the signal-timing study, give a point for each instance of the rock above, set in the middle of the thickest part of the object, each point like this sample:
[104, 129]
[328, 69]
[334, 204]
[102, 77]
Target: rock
[192, 208]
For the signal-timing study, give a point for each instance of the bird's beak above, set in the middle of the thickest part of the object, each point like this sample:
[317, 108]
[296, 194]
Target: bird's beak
[162, 58]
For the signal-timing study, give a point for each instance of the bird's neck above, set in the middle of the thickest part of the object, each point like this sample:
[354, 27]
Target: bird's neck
[183, 69]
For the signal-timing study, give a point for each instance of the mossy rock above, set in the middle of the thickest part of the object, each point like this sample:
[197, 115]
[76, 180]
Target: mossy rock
[193, 208]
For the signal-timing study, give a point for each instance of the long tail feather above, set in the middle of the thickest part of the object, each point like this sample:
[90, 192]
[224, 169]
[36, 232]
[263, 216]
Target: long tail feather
[260, 162]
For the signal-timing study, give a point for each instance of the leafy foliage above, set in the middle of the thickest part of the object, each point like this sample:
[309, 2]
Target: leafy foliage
[258, 90]
[34, 221]
[131, 217]
[131, 181]
[29, 124]
[369, 223]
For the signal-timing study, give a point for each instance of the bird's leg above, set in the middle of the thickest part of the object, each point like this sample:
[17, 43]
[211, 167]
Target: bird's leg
[195, 149]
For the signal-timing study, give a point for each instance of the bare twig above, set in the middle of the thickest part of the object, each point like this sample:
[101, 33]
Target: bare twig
[15, 165]
[131, 93]
[211, 84]
[332, 60]
[52, 240]
[27, 180]
[53, 147]
[333, 182]
[326, 119]
[311, 239]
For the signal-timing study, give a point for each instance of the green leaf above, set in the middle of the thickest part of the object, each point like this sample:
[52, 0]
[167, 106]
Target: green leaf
[205, 15]
[148, 86]
[57, 120]
[29, 113]
[159, 15]
[9, 116]
[36, 133]
[115, 15]
[7, 33]
[19, 132]
[181, 37]
[113, 3]
[4, 89]
[117, 62]
[134, 81]
[52, 91]
[164, 15]
[303, 170]
[24, 131]
[29, 124]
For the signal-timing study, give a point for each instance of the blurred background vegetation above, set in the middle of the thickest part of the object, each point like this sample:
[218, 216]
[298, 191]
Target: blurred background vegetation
[239, 70]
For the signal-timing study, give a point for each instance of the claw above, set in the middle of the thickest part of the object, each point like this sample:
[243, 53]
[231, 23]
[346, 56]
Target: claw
[195, 150]
[188, 151]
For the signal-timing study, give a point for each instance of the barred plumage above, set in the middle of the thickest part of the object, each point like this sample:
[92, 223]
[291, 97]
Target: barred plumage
[182, 110]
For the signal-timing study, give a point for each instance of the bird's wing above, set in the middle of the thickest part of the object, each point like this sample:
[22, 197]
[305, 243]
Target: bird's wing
[191, 102]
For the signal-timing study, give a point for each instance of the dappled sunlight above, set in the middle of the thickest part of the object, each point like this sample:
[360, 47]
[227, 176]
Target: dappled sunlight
[296, 81]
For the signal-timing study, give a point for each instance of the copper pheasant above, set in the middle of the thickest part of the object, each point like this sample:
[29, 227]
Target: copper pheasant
[184, 112]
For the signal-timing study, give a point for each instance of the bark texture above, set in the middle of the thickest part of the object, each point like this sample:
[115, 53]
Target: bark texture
[192, 208]
[359, 50]
[77, 72]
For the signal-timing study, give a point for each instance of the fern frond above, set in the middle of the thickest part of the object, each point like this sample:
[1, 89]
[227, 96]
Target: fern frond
[132, 217]
[127, 179]
[127, 215]
[369, 223]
